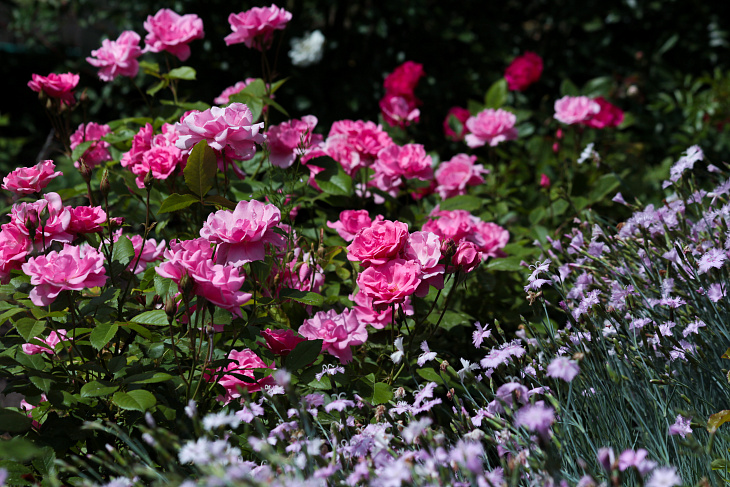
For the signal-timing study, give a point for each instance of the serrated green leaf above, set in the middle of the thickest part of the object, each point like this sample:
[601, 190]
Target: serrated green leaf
[137, 400]
[496, 96]
[10, 313]
[157, 317]
[201, 169]
[303, 354]
[102, 334]
[42, 383]
[123, 250]
[309, 298]
[462, 202]
[176, 202]
[97, 389]
[568, 88]
[382, 393]
[183, 72]
[80, 149]
[164, 287]
[13, 421]
[29, 328]
[333, 180]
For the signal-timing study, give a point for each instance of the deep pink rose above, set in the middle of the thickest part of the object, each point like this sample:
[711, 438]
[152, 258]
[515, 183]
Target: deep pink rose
[454, 175]
[141, 142]
[467, 256]
[456, 224]
[489, 238]
[154, 153]
[391, 282]
[575, 109]
[455, 123]
[364, 138]
[86, 219]
[399, 110]
[292, 139]
[281, 342]
[378, 319]
[117, 58]
[14, 247]
[183, 257]
[609, 115]
[544, 181]
[147, 251]
[230, 126]
[378, 243]
[54, 85]
[424, 248]
[220, 285]
[490, 127]
[338, 332]
[242, 363]
[409, 161]
[403, 80]
[72, 268]
[171, 32]
[241, 234]
[98, 151]
[302, 273]
[160, 161]
[523, 71]
[27, 180]
[351, 222]
[57, 218]
[255, 27]
[54, 338]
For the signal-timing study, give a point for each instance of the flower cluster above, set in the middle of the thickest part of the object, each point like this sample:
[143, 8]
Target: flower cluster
[592, 112]
[399, 105]
[154, 153]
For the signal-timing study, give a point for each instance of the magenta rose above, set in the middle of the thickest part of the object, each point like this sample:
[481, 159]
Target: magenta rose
[14, 247]
[27, 180]
[70, 269]
[403, 80]
[161, 161]
[292, 139]
[98, 151]
[57, 218]
[456, 224]
[281, 342]
[117, 58]
[467, 256]
[490, 127]
[575, 109]
[609, 115]
[255, 27]
[183, 257]
[523, 71]
[241, 363]
[60, 86]
[378, 243]
[399, 110]
[455, 123]
[391, 282]
[409, 161]
[172, 32]
[338, 332]
[454, 175]
[147, 251]
[86, 219]
[351, 222]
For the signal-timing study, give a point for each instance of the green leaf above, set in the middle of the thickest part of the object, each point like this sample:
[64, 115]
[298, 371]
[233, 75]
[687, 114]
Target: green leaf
[13, 421]
[605, 185]
[309, 298]
[462, 202]
[255, 88]
[201, 169]
[148, 378]
[505, 264]
[150, 68]
[279, 108]
[176, 202]
[157, 317]
[137, 400]
[717, 420]
[275, 87]
[333, 180]
[29, 328]
[429, 374]
[183, 72]
[382, 393]
[567, 88]
[219, 200]
[97, 389]
[157, 87]
[164, 287]
[141, 330]
[80, 149]
[123, 250]
[598, 86]
[102, 334]
[496, 96]
[303, 354]
[10, 313]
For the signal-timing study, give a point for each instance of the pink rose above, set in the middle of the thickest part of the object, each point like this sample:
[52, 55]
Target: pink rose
[160, 161]
[147, 251]
[490, 127]
[72, 269]
[351, 222]
[141, 142]
[454, 175]
[86, 219]
[523, 71]
[54, 338]
[292, 139]
[255, 27]
[281, 342]
[14, 247]
[222, 99]
[608, 115]
[241, 234]
[27, 180]
[467, 256]
[231, 126]
[60, 86]
[456, 224]
[56, 220]
[378, 243]
[544, 181]
[364, 138]
[220, 285]
[409, 161]
[424, 248]
[98, 151]
[455, 123]
[403, 80]
[241, 363]
[171, 32]
[154, 153]
[391, 282]
[399, 110]
[183, 257]
[575, 109]
[378, 319]
[490, 239]
[117, 58]
[338, 332]
[302, 274]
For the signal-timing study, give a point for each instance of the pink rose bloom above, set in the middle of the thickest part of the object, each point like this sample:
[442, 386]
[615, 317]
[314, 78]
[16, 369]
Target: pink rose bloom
[304, 274]
[27, 180]
[378, 319]
[575, 109]
[220, 285]
[160, 161]
[57, 219]
[391, 282]
[454, 175]
[241, 234]
[141, 142]
[403, 80]
[86, 219]
[60, 86]
[292, 139]
[149, 251]
[154, 153]
[50, 343]
[609, 115]
[171, 32]
[467, 256]
[351, 222]
[490, 127]
[455, 123]
[183, 257]
[456, 224]
[424, 248]
[255, 27]
[281, 342]
[14, 246]
[98, 151]
[399, 110]
[490, 239]
[338, 332]
[364, 138]
[544, 181]
[242, 363]
[378, 243]
[117, 58]
[222, 99]
[409, 161]
[71, 269]
[231, 126]
[523, 71]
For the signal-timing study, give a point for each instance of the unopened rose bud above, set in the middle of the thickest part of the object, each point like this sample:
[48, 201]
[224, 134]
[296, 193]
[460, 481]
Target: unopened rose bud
[170, 308]
[104, 186]
[84, 97]
[448, 248]
[544, 181]
[85, 170]
[186, 284]
[31, 222]
[148, 179]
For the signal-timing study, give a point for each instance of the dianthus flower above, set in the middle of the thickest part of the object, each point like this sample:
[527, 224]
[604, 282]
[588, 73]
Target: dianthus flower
[338, 332]
[490, 127]
[27, 180]
[117, 58]
[535, 417]
[563, 368]
[255, 27]
[60, 86]
[171, 32]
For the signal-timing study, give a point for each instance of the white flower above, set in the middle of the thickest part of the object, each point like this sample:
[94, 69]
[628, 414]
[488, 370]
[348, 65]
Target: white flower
[397, 356]
[589, 153]
[307, 50]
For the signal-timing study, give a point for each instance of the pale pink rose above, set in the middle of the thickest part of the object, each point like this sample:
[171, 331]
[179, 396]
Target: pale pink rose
[455, 123]
[378, 319]
[183, 257]
[150, 251]
[171, 32]
[86, 219]
[403, 80]
[467, 256]
[222, 99]
[241, 234]
[220, 285]
[575, 109]
[60, 86]
[454, 175]
[338, 332]
[281, 342]
[292, 139]
[391, 282]
[490, 127]
[117, 58]
[378, 243]
[609, 115]
[399, 110]
[523, 71]
[54, 338]
[351, 222]
[27, 180]
[72, 268]
[409, 161]
[424, 248]
[56, 220]
[243, 363]
[14, 247]
[490, 239]
[456, 224]
[98, 151]
[255, 27]
[230, 126]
